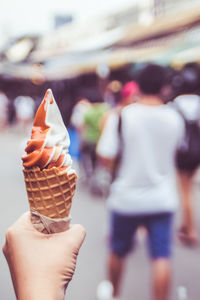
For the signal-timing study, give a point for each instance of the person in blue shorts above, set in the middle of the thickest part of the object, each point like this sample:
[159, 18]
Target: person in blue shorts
[144, 192]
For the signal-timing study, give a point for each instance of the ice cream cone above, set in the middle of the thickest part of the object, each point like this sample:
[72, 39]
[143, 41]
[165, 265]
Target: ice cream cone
[50, 191]
[49, 177]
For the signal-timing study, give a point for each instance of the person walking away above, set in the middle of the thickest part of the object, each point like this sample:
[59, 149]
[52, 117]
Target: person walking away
[78, 113]
[77, 123]
[188, 105]
[144, 191]
[3, 110]
[90, 131]
[25, 109]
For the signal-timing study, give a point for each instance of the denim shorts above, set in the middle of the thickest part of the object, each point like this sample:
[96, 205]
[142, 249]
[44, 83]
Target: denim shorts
[159, 231]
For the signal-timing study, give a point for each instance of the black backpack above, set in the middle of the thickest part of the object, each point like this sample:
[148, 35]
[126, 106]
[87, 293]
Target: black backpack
[188, 152]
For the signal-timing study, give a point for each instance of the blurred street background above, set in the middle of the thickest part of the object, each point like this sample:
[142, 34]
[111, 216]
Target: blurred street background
[87, 51]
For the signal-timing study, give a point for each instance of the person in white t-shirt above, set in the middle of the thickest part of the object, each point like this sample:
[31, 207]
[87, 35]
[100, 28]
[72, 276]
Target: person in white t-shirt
[144, 192]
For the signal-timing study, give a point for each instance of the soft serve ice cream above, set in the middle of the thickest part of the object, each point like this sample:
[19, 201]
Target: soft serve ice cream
[49, 178]
[49, 143]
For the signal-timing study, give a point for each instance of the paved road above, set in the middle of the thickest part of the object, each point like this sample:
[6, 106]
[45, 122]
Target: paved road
[91, 212]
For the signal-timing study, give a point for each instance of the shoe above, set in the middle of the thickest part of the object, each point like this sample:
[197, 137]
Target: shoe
[105, 290]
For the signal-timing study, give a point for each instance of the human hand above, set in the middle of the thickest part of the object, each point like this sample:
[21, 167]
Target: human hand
[41, 265]
[188, 236]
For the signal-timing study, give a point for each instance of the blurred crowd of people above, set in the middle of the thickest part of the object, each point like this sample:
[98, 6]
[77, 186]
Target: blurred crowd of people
[131, 139]
[89, 118]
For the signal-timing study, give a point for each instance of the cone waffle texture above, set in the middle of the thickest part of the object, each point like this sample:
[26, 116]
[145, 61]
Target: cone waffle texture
[50, 191]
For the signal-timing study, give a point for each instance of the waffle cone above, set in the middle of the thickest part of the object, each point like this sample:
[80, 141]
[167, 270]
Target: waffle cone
[50, 191]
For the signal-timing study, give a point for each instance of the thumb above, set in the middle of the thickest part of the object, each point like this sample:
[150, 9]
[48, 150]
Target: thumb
[76, 234]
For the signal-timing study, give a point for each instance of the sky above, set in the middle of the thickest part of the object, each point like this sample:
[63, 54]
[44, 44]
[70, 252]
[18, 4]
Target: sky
[18, 17]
